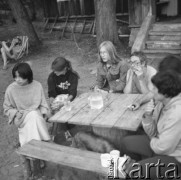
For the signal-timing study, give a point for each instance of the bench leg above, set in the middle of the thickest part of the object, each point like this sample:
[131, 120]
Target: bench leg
[26, 167]
[35, 165]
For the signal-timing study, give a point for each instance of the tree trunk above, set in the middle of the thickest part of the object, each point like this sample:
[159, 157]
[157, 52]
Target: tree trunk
[51, 8]
[106, 25]
[23, 20]
[39, 9]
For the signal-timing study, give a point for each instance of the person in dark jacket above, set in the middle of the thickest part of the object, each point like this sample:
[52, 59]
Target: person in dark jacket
[63, 80]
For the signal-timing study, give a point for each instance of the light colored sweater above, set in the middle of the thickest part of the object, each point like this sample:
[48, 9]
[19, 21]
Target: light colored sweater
[24, 99]
[164, 128]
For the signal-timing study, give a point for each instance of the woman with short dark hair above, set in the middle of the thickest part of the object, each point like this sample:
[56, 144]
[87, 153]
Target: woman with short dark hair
[24, 71]
[162, 124]
[25, 105]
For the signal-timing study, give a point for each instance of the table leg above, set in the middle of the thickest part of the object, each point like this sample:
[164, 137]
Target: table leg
[54, 129]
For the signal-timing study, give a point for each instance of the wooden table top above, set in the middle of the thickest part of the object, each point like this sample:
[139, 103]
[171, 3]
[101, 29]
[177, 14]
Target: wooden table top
[114, 113]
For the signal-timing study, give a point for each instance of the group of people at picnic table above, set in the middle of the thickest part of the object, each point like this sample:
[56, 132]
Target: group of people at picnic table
[26, 106]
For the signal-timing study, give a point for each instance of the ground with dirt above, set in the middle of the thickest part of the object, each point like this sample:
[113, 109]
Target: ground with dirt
[83, 55]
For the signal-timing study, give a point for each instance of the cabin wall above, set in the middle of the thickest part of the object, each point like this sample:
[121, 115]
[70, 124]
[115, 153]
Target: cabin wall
[138, 10]
[179, 7]
[75, 7]
[171, 9]
[86, 7]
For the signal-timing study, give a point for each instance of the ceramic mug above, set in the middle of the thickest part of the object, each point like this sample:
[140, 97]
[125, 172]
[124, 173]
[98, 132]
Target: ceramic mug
[105, 160]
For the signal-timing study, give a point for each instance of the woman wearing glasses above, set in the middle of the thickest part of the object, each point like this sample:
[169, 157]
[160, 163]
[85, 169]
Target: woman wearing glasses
[138, 80]
[111, 71]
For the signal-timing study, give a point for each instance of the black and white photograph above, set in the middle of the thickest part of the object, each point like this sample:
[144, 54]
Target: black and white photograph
[90, 89]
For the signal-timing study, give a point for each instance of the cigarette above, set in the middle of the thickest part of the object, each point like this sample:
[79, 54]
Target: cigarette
[131, 106]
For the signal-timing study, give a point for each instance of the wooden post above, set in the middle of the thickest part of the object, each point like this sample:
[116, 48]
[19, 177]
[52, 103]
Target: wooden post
[145, 5]
[153, 8]
[82, 7]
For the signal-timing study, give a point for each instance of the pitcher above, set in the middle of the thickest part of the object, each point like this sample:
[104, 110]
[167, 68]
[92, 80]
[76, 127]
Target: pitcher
[96, 100]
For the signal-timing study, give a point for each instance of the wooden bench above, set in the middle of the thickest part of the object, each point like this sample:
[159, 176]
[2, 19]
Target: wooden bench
[67, 156]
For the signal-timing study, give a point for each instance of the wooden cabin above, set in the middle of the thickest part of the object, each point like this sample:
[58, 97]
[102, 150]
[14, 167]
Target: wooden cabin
[155, 27]
[86, 7]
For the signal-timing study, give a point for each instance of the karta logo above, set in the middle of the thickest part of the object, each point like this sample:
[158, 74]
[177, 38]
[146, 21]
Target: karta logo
[137, 171]
[116, 168]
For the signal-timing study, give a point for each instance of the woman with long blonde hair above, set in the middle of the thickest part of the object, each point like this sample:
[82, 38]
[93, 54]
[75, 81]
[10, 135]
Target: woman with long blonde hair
[111, 70]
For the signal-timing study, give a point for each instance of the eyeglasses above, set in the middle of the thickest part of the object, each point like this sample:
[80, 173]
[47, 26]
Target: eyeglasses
[103, 52]
[134, 63]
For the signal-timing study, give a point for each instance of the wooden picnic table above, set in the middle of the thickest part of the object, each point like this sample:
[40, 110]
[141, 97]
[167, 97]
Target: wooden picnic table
[114, 114]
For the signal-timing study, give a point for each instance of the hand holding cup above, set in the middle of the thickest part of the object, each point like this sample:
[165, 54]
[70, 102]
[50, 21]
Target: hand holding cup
[150, 107]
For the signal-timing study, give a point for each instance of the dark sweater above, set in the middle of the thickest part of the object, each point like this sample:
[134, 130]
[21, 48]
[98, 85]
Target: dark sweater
[63, 84]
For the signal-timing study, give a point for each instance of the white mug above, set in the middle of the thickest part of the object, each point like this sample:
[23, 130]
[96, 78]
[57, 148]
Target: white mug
[105, 160]
[115, 154]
